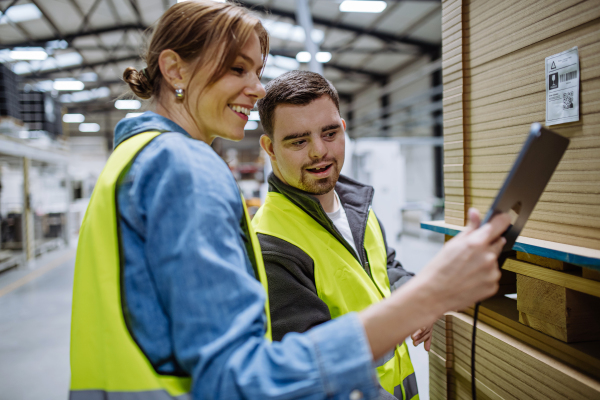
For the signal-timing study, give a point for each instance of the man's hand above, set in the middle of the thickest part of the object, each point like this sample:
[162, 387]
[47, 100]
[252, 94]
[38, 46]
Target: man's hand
[423, 335]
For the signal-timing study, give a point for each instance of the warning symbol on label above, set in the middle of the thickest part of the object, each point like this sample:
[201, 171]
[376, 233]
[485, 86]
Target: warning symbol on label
[553, 65]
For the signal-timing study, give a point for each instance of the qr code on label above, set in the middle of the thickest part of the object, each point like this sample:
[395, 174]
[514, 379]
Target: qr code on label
[567, 100]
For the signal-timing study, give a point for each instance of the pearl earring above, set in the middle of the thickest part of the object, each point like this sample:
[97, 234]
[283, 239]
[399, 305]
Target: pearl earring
[179, 94]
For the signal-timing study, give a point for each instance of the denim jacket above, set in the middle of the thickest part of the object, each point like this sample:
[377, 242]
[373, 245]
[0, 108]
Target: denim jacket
[190, 296]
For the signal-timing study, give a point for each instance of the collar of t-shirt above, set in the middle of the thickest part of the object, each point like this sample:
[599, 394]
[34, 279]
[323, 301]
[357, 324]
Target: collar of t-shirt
[340, 220]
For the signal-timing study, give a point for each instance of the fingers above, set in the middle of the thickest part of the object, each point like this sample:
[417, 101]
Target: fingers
[496, 227]
[498, 245]
[428, 344]
[474, 219]
[422, 335]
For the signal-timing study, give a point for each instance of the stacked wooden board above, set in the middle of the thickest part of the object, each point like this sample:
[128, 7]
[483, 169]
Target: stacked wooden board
[506, 367]
[494, 88]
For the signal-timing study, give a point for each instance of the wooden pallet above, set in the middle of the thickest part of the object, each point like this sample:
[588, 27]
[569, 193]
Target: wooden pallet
[556, 299]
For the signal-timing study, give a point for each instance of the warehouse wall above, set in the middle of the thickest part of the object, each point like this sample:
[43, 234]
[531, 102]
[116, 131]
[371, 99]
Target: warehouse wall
[494, 88]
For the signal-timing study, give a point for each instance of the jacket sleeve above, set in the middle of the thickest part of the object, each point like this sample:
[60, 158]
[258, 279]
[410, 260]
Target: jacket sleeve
[294, 303]
[397, 275]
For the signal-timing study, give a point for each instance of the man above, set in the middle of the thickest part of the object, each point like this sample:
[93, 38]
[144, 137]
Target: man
[324, 250]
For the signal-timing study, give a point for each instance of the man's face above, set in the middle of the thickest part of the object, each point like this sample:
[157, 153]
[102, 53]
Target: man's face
[307, 150]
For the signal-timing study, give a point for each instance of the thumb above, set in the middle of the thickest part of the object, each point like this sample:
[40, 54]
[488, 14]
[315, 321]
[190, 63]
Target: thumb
[474, 219]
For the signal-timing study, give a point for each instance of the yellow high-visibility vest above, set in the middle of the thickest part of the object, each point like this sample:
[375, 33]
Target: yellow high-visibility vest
[341, 281]
[106, 362]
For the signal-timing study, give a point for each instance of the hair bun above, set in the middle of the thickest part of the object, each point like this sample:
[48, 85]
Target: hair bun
[138, 82]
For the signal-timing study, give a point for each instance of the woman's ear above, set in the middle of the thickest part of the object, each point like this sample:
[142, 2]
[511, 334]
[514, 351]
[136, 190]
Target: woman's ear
[173, 69]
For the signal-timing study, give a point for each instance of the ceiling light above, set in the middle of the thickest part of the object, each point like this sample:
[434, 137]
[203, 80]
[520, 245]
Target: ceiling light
[128, 104]
[254, 116]
[303, 57]
[363, 6]
[133, 115]
[21, 13]
[323, 56]
[28, 55]
[73, 118]
[68, 85]
[89, 127]
[251, 125]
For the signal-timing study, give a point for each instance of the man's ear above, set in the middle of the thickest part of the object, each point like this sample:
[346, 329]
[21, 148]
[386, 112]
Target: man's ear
[173, 69]
[267, 144]
[344, 124]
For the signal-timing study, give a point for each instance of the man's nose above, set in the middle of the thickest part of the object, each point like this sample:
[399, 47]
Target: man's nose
[318, 149]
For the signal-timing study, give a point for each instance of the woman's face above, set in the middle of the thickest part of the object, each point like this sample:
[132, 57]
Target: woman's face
[222, 109]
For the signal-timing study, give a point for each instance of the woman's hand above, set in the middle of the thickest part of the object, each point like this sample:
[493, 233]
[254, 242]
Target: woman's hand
[463, 272]
[466, 269]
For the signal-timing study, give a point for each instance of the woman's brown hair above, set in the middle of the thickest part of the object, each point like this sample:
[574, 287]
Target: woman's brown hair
[197, 30]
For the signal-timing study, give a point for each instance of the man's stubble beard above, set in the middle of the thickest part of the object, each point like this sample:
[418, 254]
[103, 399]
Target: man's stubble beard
[319, 186]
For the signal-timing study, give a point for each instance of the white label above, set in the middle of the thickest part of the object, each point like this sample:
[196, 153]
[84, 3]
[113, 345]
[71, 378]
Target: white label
[562, 87]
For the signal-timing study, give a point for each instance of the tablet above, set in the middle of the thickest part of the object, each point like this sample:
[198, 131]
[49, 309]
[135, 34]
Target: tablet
[527, 179]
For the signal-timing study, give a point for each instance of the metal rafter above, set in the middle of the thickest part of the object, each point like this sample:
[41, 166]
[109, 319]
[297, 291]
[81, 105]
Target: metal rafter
[346, 69]
[423, 46]
[71, 37]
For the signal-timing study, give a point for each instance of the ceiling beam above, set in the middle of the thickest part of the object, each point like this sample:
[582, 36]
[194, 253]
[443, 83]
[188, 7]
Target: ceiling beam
[71, 37]
[292, 54]
[423, 46]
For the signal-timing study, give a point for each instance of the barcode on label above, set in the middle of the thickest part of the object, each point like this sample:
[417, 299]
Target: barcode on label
[568, 76]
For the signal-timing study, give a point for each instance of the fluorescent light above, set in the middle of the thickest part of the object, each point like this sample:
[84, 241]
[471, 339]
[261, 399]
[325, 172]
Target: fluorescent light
[73, 118]
[133, 115]
[251, 125]
[28, 55]
[89, 127]
[363, 6]
[254, 116]
[21, 13]
[303, 56]
[128, 104]
[68, 85]
[323, 56]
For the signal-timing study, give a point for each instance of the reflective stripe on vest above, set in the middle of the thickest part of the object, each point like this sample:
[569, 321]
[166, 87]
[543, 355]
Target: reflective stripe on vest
[341, 281]
[106, 362]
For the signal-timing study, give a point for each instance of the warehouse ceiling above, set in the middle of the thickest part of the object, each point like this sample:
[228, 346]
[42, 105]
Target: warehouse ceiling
[93, 41]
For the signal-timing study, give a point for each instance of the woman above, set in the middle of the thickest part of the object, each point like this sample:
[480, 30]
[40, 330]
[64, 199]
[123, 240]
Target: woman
[168, 301]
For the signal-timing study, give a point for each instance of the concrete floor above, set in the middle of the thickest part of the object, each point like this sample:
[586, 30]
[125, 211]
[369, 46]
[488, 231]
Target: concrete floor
[35, 308]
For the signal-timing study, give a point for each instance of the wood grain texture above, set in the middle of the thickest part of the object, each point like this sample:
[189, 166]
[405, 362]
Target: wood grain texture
[546, 262]
[453, 101]
[562, 313]
[560, 278]
[502, 314]
[520, 358]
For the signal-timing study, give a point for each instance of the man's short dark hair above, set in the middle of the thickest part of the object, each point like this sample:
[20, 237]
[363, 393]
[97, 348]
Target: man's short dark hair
[297, 88]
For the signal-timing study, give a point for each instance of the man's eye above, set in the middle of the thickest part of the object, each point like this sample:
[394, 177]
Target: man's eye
[330, 134]
[238, 70]
[298, 143]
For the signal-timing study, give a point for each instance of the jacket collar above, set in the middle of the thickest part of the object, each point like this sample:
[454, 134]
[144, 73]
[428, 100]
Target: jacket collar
[356, 198]
[148, 121]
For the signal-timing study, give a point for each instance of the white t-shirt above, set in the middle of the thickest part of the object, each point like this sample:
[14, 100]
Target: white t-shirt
[340, 220]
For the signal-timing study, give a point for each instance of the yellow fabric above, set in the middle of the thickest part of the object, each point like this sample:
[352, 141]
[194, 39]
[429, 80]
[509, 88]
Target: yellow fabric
[104, 356]
[341, 281]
